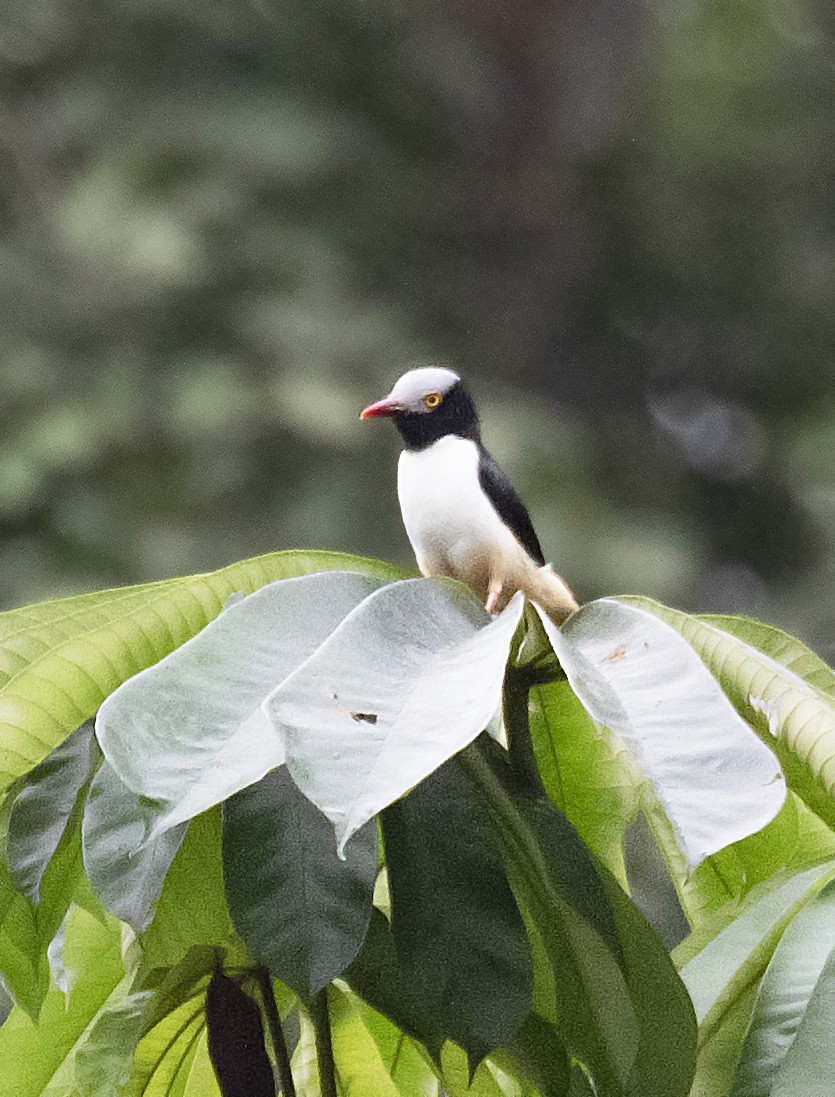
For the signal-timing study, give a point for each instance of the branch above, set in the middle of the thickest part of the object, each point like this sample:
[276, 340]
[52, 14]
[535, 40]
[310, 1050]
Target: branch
[282, 1055]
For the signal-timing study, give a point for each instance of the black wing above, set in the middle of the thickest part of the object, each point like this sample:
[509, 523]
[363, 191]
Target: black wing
[508, 505]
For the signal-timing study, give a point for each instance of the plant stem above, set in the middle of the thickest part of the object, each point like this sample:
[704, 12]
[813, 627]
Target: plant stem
[513, 827]
[282, 1055]
[324, 1044]
[515, 698]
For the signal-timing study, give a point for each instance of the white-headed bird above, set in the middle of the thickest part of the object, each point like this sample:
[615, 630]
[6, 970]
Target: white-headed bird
[460, 511]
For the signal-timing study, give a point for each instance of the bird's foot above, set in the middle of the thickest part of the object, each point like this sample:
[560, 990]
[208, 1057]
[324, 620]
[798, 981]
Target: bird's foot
[493, 598]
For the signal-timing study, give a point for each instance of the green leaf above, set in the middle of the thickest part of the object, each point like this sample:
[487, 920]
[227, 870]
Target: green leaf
[665, 1063]
[807, 1070]
[792, 713]
[553, 878]
[358, 1060]
[39, 1059]
[794, 840]
[301, 910]
[407, 680]
[715, 781]
[586, 772]
[127, 879]
[720, 973]
[43, 809]
[164, 1055]
[191, 909]
[404, 1061]
[537, 1053]
[380, 978]
[201, 1080]
[784, 994]
[60, 659]
[458, 933]
[103, 1062]
[719, 1052]
[189, 732]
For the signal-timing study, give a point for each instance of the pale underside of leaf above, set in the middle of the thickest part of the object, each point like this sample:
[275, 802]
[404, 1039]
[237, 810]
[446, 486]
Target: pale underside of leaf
[715, 780]
[60, 659]
[189, 732]
[409, 679]
[795, 715]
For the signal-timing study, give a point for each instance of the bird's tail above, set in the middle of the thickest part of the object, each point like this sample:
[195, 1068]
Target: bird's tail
[552, 593]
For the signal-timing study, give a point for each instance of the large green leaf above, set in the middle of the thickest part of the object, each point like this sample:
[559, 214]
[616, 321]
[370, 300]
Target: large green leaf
[715, 781]
[587, 773]
[406, 1064]
[784, 692]
[460, 938]
[191, 909]
[407, 680]
[554, 879]
[301, 910]
[126, 878]
[38, 1060]
[60, 659]
[360, 1064]
[189, 731]
[722, 971]
[784, 994]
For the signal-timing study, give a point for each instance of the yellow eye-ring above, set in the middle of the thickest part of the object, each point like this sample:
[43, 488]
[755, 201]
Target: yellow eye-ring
[432, 399]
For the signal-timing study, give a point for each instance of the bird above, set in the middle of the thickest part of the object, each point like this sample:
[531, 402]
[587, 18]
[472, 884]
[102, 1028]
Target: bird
[462, 515]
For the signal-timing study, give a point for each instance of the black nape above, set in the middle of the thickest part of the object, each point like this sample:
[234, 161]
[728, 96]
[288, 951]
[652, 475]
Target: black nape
[456, 415]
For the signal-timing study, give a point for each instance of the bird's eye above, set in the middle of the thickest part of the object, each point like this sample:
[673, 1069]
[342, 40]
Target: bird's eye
[431, 400]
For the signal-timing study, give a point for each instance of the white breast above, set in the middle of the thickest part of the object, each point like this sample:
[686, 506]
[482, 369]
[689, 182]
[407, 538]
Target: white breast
[451, 524]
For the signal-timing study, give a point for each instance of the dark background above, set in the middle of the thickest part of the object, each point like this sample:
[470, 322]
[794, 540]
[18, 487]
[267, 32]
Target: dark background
[225, 226]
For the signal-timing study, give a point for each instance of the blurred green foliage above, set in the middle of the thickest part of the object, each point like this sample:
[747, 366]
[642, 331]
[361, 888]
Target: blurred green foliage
[225, 225]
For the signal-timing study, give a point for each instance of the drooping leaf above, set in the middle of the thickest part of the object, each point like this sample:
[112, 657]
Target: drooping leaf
[795, 839]
[201, 1080]
[587, 773]
[164, 1055]
[715, 780]
[127, 879]
[359, 1062]
[406, 1064]
[456, 926]
[554, 879]
[538, 1055]
[191, 909]
[60, 659]
[784, 692]
[784, 994]
[236, 1040]
[665, 1062]
[39, 1059]
[188, 732]
[807, 1069]
[42, 810]
[407, 680]
[719, 1052]
[23, 955]
[722, 971]
[301, 910]
[103, 1061]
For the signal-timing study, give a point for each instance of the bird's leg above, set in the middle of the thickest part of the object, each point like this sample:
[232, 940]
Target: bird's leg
[493, 593]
